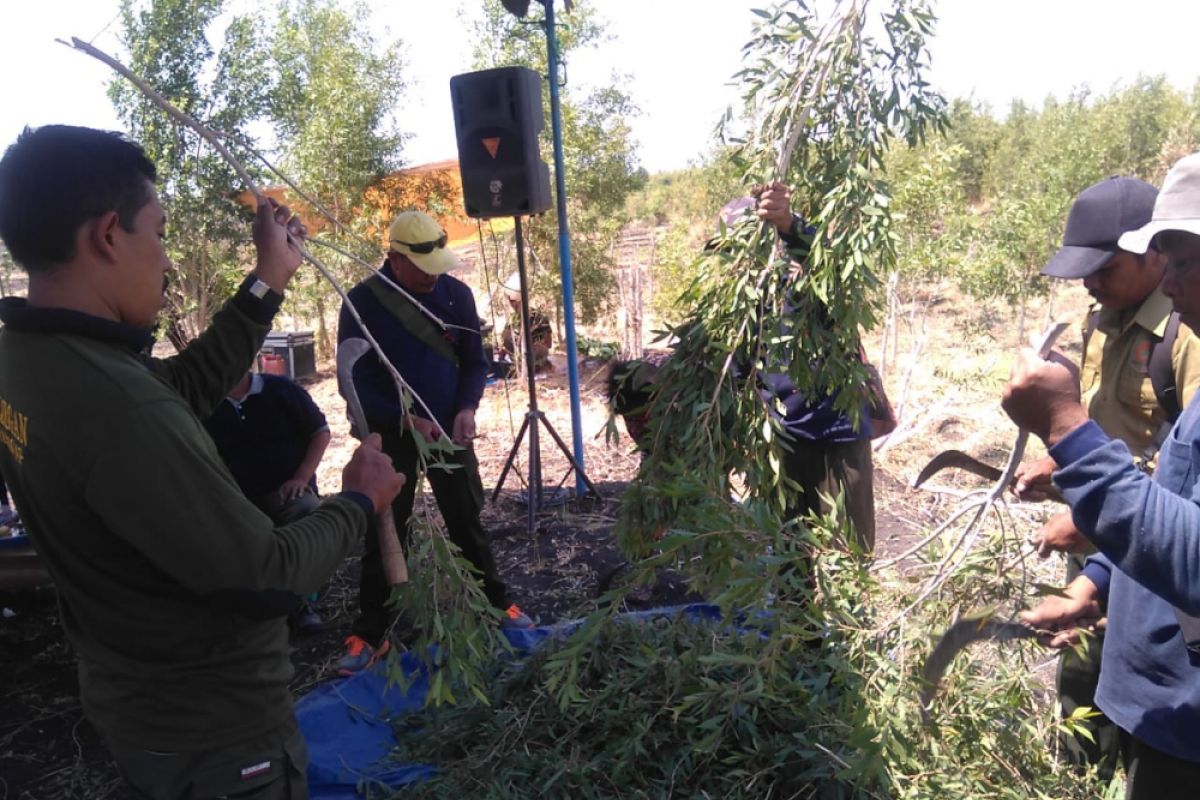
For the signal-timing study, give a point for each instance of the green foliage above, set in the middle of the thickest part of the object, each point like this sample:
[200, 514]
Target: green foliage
[330, 110]
[985, 203]
[597, 151]
[830, 105]
[596, 349]
[332, 113]
[206, 231]
[687, 195]
[805, 697]
[686, 201]
[443, 603]
[929, 241]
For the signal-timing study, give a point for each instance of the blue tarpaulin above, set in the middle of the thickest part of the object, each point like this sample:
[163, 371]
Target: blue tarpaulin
[347, 723]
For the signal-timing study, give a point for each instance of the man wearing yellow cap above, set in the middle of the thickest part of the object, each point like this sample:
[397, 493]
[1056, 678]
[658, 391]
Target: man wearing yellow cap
[445, 365]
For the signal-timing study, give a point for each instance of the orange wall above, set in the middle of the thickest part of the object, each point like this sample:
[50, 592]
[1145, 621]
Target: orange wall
[436, 188]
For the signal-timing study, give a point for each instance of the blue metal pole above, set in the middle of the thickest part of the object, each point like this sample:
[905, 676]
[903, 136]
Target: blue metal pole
[564, 246]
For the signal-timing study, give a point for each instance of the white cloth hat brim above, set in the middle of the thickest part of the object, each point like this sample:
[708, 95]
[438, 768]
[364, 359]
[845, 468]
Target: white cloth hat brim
[1138, 241]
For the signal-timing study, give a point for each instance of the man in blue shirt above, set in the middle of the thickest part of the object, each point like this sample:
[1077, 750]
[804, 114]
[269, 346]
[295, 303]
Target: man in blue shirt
[1147, 530]
[272, 436]
[828, 455]
[446, 367]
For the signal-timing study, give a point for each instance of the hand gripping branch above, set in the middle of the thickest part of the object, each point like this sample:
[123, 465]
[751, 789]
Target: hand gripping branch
[390, 542]
[980, 502]
[214, 139]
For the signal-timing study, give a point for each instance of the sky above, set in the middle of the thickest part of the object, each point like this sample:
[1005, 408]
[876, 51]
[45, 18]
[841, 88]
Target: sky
[678, 56]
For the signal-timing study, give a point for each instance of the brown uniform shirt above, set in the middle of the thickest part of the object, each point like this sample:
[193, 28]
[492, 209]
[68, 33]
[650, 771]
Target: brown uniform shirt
[1115, 379]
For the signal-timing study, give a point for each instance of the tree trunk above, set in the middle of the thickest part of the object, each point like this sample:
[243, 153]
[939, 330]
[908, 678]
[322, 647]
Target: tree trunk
[324, 346]
[176, 334]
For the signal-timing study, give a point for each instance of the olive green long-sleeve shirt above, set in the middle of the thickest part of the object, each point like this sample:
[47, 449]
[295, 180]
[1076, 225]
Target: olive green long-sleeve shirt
[173, 586]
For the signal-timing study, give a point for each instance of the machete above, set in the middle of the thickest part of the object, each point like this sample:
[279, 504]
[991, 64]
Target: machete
[962, 633]
[960, 460]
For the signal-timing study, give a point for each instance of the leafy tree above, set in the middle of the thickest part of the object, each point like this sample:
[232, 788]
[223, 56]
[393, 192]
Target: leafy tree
[331, 111]
[1140, 127]
[686, 202]
[999, 211]
[976, 135]
[168, 45]
[597, 150]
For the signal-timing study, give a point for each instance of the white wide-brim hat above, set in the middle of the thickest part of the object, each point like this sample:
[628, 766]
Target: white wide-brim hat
[1176, 209]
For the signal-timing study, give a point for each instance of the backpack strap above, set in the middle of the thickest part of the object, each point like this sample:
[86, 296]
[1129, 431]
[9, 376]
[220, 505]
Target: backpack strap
[411, 318]
[1089, 328]
[1162, 372]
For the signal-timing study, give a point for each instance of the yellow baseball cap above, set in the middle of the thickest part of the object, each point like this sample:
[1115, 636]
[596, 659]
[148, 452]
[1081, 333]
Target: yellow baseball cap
[418, 236]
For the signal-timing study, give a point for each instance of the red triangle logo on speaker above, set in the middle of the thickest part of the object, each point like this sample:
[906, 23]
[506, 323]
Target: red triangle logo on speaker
[492, 145]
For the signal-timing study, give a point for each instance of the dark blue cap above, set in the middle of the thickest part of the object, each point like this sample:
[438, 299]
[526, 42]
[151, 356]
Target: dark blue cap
[1101, 213]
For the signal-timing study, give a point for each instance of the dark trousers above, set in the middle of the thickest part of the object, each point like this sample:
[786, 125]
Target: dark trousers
[459, 495]
[1154, 775]
[843, 469]
[1078, 676]
[269, 767]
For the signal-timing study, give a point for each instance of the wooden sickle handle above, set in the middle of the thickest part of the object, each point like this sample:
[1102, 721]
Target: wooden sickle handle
[395, 567]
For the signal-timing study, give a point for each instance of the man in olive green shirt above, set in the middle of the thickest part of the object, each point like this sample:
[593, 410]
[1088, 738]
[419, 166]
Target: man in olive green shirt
[1124, 327]
[173, 587]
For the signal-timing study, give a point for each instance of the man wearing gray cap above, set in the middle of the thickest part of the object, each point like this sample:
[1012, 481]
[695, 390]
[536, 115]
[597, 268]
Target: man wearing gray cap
[1138, 369]
[1147, 530]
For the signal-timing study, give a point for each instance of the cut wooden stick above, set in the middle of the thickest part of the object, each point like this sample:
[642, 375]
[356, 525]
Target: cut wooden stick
[961, 548]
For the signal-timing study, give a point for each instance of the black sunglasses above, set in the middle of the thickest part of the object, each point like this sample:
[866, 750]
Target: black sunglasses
[424, 248]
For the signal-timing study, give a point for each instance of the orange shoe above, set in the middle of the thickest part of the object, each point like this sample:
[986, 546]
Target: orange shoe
[360, 655]
[514, 617]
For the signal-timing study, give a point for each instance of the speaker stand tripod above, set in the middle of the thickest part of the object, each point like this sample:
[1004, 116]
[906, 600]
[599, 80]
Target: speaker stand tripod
[534, 416]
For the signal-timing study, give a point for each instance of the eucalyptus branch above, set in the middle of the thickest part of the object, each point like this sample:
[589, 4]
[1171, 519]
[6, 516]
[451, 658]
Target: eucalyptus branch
[970, 502]
[962, 546]
[402, 386]
[792, 137]
[212, 138]
[383, 277]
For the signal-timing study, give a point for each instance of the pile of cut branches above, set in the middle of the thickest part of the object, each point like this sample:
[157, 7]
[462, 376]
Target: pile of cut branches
[798, 692]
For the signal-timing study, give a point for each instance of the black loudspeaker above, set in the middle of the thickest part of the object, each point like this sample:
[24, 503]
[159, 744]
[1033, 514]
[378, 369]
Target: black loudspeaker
[497, 119]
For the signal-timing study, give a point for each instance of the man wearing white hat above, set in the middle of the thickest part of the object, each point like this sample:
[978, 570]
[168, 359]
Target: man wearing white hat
[1147, 530]
[1139, 367]
[540, 329]
[447, 368]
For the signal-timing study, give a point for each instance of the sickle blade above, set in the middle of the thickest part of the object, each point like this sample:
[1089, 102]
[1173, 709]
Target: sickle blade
[956, 459]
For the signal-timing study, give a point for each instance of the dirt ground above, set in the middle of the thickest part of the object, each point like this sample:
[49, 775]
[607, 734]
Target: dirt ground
[943, 371]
